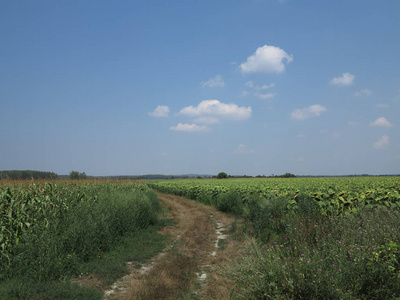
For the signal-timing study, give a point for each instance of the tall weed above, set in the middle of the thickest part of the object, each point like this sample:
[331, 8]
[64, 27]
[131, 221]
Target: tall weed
[352, 257]
[84, 231]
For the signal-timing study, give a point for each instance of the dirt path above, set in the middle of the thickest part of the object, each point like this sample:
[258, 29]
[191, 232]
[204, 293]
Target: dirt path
[188, 267]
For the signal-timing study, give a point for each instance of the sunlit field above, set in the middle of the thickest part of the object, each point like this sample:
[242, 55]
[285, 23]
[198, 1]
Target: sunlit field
[325, 238]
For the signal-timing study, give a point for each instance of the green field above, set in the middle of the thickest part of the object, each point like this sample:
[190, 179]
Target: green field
[333, 195]
[311, 238]
[307, 238]
[53, 231]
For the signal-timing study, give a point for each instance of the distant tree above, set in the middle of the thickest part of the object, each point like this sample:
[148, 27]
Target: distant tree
[199, 177]
[288, 175]
[74, 175]
[27, 174]
[222, 175]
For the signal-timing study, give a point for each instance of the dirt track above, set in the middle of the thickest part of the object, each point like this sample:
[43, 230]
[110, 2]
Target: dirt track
[188, 267]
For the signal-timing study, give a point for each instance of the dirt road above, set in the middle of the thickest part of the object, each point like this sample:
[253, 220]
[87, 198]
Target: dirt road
[188, 268]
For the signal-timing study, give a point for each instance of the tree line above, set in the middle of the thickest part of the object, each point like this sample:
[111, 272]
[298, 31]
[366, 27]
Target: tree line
[27, 174]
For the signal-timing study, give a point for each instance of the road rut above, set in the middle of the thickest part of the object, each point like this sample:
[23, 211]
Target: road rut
[189, 266]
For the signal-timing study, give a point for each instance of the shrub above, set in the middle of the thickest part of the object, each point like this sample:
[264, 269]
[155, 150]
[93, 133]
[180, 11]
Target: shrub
[230, 202]
[352, 257]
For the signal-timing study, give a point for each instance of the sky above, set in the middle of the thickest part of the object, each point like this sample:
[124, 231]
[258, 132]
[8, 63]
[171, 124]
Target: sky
[246, 87]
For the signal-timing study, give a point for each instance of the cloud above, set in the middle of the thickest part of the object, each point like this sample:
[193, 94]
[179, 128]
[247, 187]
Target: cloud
[264, 96]
[257, 89]
[307, 112]
[243, 149]
[160, 111]
[217, 81]
[382, 143]
[363, 93]
[266, 59]
[381, 122]
[207, 120]
[250, 84]
[189, 127]
[217, 110]
[244, 93]
[343, 80]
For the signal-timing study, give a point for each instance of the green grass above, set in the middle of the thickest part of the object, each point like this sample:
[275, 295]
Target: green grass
[315, 257]
[26, 290]
[91, 228]
[137, 247]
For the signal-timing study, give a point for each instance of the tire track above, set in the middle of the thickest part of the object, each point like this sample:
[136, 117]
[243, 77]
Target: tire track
[185, 266]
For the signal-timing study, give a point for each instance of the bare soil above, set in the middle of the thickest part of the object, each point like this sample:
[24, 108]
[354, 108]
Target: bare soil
[190, 267]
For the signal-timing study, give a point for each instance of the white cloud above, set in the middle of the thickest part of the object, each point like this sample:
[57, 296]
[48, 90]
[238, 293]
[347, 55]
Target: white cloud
[244, 93]
[189, 127]
[301, 136]
[343, 80]
[207, 120]
[264, 96]
[243, 149]
[381, 122]
[250, 84]
[160, 111]
[382, 143]
[217, 81]
[363, 93]
[257, 89]
[217, 109]
[307, 112]
[266, 59]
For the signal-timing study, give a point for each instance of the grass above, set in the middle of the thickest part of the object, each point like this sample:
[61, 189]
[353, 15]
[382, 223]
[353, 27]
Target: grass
[136, 247]
[90, 242]
[315, 257]
[27, 290]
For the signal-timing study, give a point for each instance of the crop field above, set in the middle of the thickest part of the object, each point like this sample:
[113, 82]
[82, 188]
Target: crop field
[306, 238]
[50, 230]
[333, 195]
[311, 238]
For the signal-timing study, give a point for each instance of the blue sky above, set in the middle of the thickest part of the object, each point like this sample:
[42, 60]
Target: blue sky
[176, 87]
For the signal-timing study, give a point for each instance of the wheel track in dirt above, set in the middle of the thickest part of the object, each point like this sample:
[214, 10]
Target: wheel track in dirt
[188, 266]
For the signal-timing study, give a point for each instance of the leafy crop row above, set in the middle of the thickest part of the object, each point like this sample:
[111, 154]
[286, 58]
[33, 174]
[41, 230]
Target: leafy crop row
[311, 238]
[333, 195]
[47, 229]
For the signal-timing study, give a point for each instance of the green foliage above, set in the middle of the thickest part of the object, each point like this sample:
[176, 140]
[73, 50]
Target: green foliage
[230, 202]
[24, 289]
[76, 175]
[27, 174]
[352, 257]
[316, 238]
[48, 230]
[222, 175]
[333, 196]
[268, 217]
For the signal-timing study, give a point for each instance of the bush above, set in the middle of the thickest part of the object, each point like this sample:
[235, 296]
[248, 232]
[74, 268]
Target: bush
[352, 257]
[230, 202]
[268, 216]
